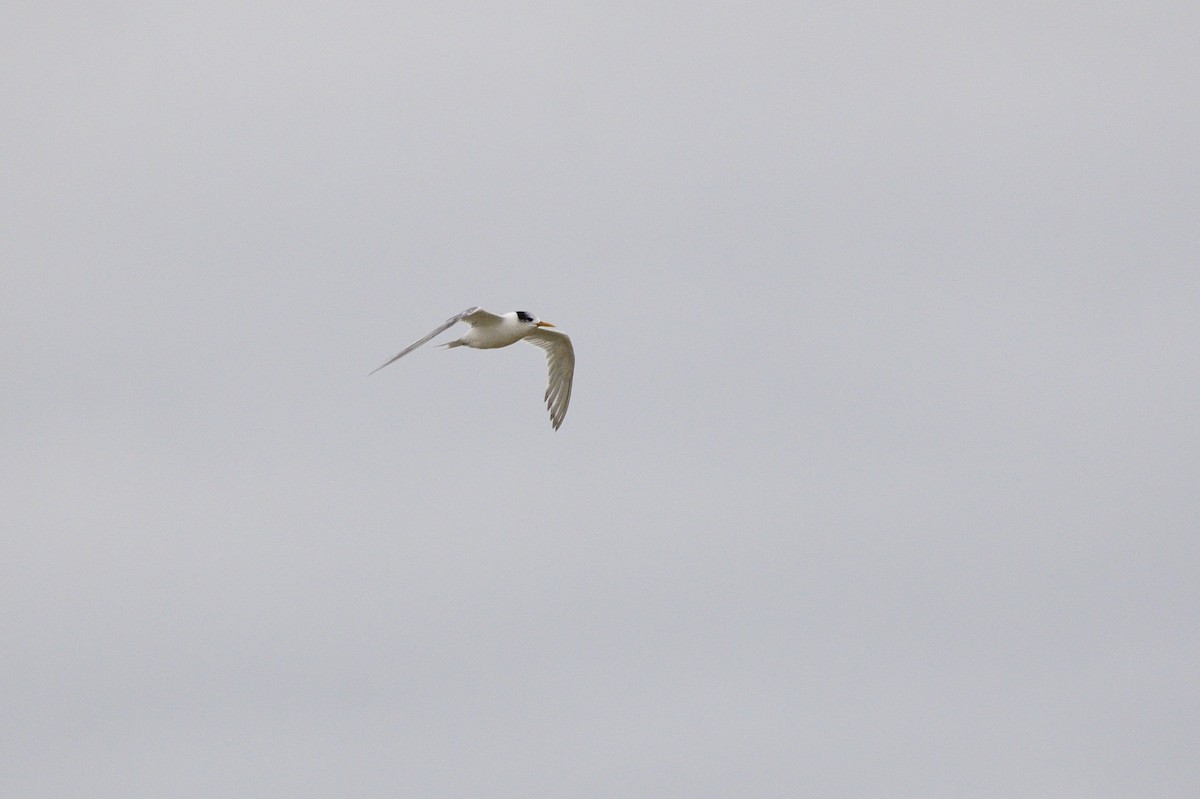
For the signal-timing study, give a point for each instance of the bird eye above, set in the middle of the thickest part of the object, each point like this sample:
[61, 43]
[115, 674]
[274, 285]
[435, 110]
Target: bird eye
[524, 317]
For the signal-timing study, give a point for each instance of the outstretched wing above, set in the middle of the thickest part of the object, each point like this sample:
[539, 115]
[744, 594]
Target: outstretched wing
[473, 315]
[560, 360]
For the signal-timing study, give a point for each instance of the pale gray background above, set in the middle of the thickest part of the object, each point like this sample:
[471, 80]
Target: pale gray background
[881, 475]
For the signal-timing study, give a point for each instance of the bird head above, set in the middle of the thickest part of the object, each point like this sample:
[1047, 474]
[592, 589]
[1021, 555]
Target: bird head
[530, 319]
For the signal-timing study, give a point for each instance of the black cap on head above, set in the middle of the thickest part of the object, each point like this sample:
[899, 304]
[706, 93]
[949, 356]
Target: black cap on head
[524, 316]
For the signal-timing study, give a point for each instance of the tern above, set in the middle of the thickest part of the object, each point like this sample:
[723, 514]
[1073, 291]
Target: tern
[490, 331]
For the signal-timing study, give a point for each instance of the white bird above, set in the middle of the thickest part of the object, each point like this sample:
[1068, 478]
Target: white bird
[489, 331]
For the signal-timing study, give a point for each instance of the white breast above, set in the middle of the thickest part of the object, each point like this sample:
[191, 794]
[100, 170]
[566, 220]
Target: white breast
[488, 336]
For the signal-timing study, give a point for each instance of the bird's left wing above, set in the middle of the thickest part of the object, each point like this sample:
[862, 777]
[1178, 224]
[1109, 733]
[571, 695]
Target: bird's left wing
[471, 312]
[560, 360]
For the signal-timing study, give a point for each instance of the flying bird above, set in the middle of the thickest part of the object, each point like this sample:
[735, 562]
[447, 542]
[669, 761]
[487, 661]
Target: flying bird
[490, 331]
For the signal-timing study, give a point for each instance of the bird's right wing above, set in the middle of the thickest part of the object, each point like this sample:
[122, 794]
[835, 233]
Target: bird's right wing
[473, 315]
[560, 362]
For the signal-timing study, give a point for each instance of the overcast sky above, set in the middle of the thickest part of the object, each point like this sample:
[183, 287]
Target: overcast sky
[882, 472]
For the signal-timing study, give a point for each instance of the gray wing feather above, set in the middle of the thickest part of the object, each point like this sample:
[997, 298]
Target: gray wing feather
[560, 362]
[473, 315]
